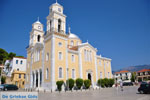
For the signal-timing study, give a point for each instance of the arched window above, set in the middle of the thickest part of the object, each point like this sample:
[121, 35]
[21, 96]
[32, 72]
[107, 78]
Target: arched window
[59, 25]
[101, 76]
[85, 56]
[50, 25]
[47, 56]
[38, 38]
[60, 73]
[60, 55]
[73, 58]
[47, 72]
[21, 62]
[72, 43]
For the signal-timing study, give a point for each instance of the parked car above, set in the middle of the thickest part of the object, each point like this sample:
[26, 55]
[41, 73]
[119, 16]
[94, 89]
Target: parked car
[10, 87]
[127, 84]
[144, 88]
[1, 87]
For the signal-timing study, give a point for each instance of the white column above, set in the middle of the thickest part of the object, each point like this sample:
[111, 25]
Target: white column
[96, 70]
[80, 64]
[31, 78]
[53, 83]
[67, 60]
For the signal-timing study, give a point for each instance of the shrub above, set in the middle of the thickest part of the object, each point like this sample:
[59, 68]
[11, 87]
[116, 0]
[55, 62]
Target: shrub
[87, 83]
[71, 83]
[111, 82]
[105, 82]
[101, 82]
[79, 83]
[59, 85]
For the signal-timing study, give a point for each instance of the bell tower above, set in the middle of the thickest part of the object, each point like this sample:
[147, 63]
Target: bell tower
[37, 33]
[56, 20]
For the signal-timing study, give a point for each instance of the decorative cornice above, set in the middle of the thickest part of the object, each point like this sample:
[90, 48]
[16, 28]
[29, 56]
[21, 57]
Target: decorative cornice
[87, 44]
[72, 51]
[104, 58]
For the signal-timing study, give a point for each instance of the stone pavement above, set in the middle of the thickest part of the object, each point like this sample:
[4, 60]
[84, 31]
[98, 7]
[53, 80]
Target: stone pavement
[129, 93]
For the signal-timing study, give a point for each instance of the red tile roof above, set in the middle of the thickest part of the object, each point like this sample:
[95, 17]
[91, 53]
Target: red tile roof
[123, 71]
[20, 57]
[144, 70]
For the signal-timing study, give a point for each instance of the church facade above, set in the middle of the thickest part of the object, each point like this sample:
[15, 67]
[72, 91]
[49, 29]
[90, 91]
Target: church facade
[57, 55]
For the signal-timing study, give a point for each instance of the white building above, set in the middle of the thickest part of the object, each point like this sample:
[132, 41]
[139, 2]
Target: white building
[124, 76]
[17, 63]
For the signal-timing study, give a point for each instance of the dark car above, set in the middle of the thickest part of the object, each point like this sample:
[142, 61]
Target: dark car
[10, 87]
[127, 84]
[144, 88]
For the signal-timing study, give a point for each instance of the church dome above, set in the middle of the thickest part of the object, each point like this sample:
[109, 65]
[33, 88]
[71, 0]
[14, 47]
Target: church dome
[73, 36]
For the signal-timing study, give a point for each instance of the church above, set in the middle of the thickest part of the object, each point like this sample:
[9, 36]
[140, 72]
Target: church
[55, 54]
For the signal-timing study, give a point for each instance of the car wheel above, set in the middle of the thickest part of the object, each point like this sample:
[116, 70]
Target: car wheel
[141, 92]
[5, 89]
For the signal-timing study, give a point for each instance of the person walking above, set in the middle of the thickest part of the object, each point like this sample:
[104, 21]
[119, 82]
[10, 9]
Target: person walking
[121, 85]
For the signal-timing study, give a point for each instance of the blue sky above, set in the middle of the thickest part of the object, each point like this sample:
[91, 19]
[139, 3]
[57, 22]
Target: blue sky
[119, 29]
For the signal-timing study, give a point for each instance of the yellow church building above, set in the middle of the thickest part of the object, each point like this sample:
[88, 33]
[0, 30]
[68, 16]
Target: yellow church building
[59, 55]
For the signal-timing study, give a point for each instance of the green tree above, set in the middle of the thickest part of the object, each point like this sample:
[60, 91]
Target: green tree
[70, 83]
[59, 85]
[79, 83]
[3, 80]
[3, 56]
[133, 77]
[87, 83]
[11, 55]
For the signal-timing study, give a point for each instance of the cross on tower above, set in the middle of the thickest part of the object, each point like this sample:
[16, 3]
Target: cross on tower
[38, 18]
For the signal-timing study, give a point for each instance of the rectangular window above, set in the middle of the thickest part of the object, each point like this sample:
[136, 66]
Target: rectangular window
[16, 61]
[73, 73]
[108, 75]
[24, 76]
[100, 62]
[19, 75]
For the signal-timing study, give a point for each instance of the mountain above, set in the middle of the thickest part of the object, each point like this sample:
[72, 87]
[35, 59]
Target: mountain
[135, 68]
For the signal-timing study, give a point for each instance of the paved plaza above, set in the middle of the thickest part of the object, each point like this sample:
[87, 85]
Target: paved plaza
[129, 93]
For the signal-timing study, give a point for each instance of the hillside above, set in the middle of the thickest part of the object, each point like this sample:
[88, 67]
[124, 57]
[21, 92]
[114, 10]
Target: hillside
[135, 68]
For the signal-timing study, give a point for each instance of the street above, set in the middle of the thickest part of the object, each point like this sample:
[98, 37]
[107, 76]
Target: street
[129, 93]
